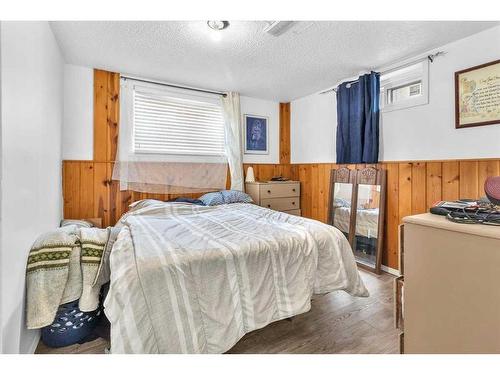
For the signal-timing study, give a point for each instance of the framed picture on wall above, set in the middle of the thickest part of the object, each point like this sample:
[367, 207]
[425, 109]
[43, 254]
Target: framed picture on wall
[256, 134]
[477, 95]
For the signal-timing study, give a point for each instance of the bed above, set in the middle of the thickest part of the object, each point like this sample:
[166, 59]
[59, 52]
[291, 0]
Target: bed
[195, 279]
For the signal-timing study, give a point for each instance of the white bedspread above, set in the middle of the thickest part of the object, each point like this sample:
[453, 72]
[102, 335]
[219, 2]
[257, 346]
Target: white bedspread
[366, 221]
[193, 279]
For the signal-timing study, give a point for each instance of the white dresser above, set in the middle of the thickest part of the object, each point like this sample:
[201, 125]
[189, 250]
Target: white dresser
[276, 195]
[451, 286]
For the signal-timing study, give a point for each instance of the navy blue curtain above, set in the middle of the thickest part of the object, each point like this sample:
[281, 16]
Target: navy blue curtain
[358, 119]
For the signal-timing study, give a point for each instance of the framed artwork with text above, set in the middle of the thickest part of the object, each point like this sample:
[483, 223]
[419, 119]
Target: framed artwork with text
[477, 95]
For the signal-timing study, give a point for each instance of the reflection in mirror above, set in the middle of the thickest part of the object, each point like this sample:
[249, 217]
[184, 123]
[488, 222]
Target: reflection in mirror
[367, 221]
[341, 206]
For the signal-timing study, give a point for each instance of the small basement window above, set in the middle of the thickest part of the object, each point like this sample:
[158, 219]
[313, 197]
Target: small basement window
[405, 87]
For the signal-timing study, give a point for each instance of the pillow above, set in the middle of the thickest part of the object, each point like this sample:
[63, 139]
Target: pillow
[236, 196]
[341, 202]
[143, 203]
[212, 199]
[189, 200]
[78, 223]
[225, 197]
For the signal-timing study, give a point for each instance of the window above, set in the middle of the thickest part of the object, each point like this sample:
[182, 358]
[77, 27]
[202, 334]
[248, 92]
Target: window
[171, 123]
[407, 91]
[171, 141]
[404, 87]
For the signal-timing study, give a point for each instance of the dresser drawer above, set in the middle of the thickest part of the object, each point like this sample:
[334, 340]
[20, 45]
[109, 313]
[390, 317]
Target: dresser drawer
[279, 190]
[281, 204]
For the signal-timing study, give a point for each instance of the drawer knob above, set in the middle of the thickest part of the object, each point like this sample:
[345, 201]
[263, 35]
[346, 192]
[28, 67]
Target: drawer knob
[268, 206]
[269, 191]
[293, 203]
[293, 189]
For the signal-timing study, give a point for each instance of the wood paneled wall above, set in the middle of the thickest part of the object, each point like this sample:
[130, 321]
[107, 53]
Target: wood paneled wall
[106, 114]
[89, 191]
[412, 187]
[284, 133]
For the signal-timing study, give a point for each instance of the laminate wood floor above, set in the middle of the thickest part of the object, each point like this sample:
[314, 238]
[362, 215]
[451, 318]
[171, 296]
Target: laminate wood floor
[336, 323]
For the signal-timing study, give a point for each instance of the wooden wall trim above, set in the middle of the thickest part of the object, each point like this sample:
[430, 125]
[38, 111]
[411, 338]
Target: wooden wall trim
[403, 161]
[284, 133]
[412, 188]
[106, 114]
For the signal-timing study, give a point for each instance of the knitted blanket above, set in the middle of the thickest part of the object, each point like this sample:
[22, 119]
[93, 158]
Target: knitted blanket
[46, 275]
[62, 267]
[93, 242]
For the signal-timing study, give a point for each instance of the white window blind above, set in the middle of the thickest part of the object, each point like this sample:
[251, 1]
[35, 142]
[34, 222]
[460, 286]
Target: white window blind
[166, 124]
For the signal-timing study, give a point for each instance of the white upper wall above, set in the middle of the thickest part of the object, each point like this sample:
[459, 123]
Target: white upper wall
[31, 197]
[78, 117]
[78, 129]
[312, 129]
[426, 132]
[270, 109]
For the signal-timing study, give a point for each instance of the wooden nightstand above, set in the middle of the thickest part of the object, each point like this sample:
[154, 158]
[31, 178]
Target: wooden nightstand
[277, 195]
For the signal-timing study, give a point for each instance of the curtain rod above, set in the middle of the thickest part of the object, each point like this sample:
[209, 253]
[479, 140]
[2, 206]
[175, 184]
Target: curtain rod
[174, 86]
[428, 57]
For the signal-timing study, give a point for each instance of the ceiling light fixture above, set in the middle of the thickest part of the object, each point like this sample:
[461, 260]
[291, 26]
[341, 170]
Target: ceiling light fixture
[218, 25]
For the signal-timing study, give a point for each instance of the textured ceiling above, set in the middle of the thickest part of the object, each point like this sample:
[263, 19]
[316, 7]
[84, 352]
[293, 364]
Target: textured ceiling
[308, 58]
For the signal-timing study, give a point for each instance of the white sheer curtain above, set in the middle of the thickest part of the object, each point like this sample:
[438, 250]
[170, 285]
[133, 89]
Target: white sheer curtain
[232, 127]
[177, 145]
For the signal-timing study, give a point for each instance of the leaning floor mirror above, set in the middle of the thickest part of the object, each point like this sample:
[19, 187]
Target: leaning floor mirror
[356, 208]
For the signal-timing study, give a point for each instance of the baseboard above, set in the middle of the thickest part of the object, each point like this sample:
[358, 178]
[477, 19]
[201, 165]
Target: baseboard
[390, 270]
[34, 344]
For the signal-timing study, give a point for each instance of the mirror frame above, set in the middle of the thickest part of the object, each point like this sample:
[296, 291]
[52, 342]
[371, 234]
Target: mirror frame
[366, 176]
